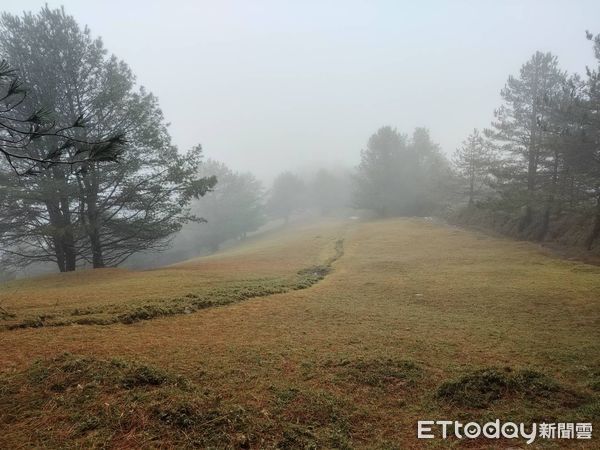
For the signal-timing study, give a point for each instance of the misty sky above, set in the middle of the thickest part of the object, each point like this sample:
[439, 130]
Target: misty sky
[306, 82]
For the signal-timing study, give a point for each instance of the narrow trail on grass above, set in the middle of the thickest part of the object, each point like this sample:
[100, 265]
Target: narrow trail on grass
[190, 302]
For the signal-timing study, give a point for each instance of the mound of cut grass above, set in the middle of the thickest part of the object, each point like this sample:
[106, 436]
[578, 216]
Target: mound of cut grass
[312, 419]
[480, 388]
[115, 403]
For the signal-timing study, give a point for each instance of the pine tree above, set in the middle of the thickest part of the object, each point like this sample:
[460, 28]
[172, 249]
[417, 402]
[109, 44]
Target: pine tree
[519, 127]
[401, 177]
[23, 130]
[287, 195]
[329, 191]
[473, 161]
[99, 213]
[586, 155]
[381, 181]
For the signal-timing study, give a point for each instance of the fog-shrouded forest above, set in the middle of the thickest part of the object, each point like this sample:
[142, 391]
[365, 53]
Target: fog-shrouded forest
[90, 176]
[439, 182]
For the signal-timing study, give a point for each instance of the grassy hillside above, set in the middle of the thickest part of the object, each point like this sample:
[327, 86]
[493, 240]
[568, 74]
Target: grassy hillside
[289, 259]
[413, 321]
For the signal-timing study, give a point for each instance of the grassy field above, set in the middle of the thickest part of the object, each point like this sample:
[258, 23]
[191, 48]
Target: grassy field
[348, 333]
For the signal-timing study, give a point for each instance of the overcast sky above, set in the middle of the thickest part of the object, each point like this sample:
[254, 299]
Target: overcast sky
[306, 82]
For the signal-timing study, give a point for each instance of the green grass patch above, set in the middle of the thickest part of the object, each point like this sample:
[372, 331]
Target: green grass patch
[132, 311]
[129, 313]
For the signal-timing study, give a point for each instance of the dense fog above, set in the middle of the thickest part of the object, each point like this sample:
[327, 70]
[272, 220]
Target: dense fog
[172, 133]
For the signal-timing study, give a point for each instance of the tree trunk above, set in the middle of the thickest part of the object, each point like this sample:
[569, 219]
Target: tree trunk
[60, 241]
[59, 253]
[596, 228]
[93, 219]
[531, 174]
[93, 230]
[70, 253]
[67, 236]
[89, 187]
[532, 160]
[97, 255]
[550, 201]
[471, 190]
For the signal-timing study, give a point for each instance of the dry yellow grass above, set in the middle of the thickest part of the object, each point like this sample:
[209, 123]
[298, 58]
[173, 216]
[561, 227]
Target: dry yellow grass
[111, 291]
[353, 361]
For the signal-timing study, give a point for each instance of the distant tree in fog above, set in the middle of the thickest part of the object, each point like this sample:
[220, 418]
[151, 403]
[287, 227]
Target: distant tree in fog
[287, 195]
[433, 174]
[400, 177]
[328, 191]
[231, 210]
[473, 162]
[380, 182]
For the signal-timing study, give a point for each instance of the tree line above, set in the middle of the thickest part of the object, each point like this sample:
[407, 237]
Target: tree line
[533, 173]
[89, 175]
[404, 176]
[537, 167]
